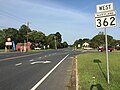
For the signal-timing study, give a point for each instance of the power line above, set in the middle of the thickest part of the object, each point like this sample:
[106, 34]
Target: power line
[14, 17]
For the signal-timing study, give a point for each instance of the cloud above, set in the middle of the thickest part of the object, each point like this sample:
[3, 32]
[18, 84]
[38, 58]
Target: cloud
[51, 17]
[45, 8]
[56, 10]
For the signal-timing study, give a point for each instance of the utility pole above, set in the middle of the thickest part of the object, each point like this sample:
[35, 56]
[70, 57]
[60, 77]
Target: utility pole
[26, 41]
[27, 30]
[55, 43]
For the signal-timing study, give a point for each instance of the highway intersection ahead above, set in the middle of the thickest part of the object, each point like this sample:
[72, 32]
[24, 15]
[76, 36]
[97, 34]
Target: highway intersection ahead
[44, 70]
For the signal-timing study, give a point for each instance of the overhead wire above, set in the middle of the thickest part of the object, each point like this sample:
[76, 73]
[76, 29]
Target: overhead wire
[6, 13]
[16, 18]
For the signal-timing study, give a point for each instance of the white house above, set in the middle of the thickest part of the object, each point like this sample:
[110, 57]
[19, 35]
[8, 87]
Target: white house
[85, 44]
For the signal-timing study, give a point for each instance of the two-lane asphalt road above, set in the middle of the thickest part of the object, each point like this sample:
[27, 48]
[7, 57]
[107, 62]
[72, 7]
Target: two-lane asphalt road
[28, 71]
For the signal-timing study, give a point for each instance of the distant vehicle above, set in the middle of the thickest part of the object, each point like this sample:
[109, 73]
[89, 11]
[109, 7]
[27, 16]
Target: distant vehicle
[103, 48]
[37, 48]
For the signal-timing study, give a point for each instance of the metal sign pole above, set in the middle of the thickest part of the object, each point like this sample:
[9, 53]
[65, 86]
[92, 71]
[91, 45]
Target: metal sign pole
[107, 56]
[105, 17]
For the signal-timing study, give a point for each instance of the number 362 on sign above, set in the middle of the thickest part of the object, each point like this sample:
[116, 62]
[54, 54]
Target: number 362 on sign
[105, 22]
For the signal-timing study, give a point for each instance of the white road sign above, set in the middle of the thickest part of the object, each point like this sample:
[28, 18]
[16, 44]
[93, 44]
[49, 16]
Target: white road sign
[104, 18]
[8, 43]
[105, 7]
[105, 14]
[105, 22]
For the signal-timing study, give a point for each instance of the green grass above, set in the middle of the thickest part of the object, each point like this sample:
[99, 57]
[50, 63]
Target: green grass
[92, 65]
[2, 50]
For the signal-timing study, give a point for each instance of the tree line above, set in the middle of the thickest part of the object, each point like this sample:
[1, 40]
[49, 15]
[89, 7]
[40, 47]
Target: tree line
[24, 33]
[99, 40]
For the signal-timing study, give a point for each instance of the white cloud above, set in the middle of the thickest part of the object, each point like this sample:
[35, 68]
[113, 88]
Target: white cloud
[30, 9]
[52, 17]
[49, 8]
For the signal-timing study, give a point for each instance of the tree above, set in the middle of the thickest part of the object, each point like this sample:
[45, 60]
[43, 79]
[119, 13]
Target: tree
[99, 40]
[79, 42]
[8, 33]
[11, 33]
[54, 39]
[51, 40]
[110, 39]
[2, 39]
[23, 31]
[76, 43]
[58, 37]
[85, 40]
[65, 44]
[36, 37]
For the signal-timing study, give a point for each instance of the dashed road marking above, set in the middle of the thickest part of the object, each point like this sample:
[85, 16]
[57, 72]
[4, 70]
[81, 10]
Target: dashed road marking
[31, 60]
[43, 62]
[18, 64]
[40, 57]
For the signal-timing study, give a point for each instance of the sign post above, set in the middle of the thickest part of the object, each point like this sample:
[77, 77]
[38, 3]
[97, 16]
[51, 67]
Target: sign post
[107, 61]
[104, 18]
[8, 43]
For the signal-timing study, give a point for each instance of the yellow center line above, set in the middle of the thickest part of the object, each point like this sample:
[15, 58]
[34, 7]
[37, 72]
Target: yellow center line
[17, 57]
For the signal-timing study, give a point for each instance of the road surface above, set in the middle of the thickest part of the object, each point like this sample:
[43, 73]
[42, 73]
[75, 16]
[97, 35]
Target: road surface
[44, 70]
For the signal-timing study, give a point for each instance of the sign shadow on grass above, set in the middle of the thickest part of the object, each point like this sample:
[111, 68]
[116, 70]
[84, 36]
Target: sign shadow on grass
[98, 62]
[97, 86]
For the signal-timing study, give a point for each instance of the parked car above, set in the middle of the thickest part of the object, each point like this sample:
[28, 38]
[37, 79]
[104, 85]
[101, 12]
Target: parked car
[103, 48]
[37, 48]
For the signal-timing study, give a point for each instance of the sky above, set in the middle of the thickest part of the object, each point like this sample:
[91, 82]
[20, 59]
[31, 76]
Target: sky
[74, 19]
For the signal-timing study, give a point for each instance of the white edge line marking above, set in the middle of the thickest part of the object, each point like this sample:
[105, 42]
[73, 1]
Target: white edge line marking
[18, 64]
[43, 79]
[76, 73]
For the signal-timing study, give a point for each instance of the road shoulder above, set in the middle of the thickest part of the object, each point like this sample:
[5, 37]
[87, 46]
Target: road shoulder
[60, 79]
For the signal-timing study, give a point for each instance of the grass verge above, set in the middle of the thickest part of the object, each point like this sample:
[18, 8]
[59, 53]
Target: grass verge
[92, 71]
[2, 50]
